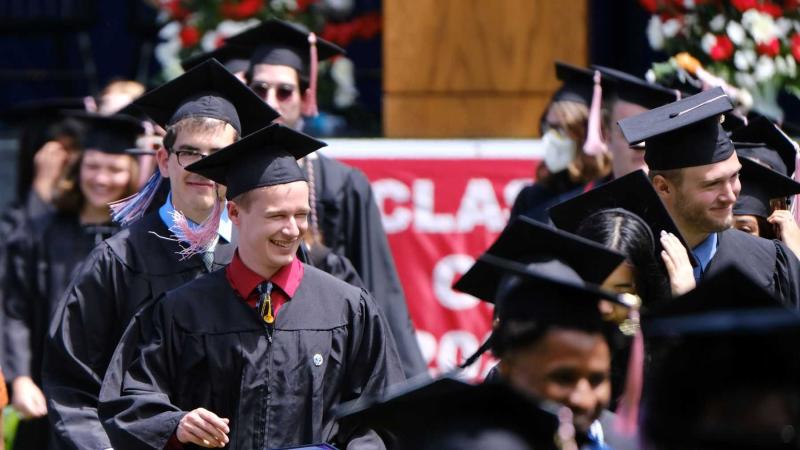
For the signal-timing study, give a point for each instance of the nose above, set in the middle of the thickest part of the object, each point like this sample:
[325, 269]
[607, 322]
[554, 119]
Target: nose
[292, 229]
[731, 192]
[582, 399]
[272, 99]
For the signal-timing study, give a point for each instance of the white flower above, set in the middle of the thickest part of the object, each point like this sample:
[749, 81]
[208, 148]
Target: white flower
[791, 67]
[760, 25]
[708, 42]
[780, 65]
[167, 54]
[744, 80]
[735, 32]
[169, 30]
[784, 26]
[650, 76]
[765, 68]
[671, 27]
[654, 34]
[228, 28]
[342, 74]
[717, 23]
[209, 41]
[740, 61]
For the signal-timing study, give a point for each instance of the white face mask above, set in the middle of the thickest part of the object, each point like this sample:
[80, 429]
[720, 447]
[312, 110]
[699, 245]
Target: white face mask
[559, 151]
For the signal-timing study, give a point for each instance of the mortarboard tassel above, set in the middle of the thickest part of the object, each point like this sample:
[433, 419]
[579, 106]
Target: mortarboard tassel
[199, 238]
[310, 105]
[796, 199]
[594, 144]
[130, 209]
[628, 411]
[481, 350]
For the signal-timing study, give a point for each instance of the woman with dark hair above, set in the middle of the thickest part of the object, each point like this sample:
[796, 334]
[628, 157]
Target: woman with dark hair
[42, 262]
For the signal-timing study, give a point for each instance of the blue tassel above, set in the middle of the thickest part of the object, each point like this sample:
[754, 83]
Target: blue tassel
[128, 210]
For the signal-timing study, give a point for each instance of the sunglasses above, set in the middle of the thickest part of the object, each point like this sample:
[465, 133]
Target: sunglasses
[282, 90]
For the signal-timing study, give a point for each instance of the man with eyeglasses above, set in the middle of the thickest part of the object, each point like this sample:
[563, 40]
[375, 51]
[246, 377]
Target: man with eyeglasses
[203, 111]
[344, 214]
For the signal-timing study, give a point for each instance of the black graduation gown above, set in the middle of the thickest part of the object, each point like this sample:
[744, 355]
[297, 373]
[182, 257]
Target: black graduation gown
[350, 223]
[769, 262]
[121, 275]
[207, 348]
[40, 268]
[324, 259]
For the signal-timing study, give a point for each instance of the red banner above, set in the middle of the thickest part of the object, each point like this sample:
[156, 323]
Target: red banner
[440, 214]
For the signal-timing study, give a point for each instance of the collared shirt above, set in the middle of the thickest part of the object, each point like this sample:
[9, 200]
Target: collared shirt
[224, 231]
[245, 281]
[704, 252]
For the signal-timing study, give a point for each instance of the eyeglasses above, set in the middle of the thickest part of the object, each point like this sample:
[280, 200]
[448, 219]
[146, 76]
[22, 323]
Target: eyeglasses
[188, 157]
[282, 90]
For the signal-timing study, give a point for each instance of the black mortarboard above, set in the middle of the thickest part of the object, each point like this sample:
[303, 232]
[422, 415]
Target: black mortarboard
[635, 90]
[764, 141]
[547, 293]
[682, 134]
[526, 241]
[578, 84]
[632, 192]
[760, 184]
[208, 90]
[264, 158]
[116, 133]
[283, 43]
[425, 414]
[234, 58]
[722, 352]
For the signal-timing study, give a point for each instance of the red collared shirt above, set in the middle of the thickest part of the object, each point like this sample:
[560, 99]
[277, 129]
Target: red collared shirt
[245, 282]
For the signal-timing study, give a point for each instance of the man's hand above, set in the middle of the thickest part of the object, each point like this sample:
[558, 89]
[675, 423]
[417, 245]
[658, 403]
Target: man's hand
[788, 231]
[27, 398]
[49, 163]
[679, 268]
[204, 428]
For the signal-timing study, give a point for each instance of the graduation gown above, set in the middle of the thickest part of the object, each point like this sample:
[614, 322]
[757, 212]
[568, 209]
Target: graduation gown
[351, 226]
[120, 275]
[769, 262]
[208, 348]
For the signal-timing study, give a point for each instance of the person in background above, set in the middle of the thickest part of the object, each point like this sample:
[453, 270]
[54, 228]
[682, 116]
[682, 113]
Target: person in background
[41, 265]
[567, 169]
[344, 215]
[117, 95]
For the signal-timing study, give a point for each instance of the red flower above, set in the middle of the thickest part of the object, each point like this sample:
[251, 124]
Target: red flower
[771, 48]
[650, 5]
[789, 5]
[240, 10]
[795, 42]
[176, 9]
[723, 49]
[190, 36]
[771, 9]
[744, 5]
[303, 5]
[364, 27]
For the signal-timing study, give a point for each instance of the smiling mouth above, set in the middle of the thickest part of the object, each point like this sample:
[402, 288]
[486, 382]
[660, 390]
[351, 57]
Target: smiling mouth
[282, 244]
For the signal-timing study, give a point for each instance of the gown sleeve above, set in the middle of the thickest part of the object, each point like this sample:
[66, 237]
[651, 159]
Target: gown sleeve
[18, 305]
[77, 349]
[787, 276]
[135, 405]
[374, 366]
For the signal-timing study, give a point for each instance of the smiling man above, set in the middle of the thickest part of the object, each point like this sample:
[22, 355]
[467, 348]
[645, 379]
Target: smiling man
[257, 355]
[695, 170]
[135, 266]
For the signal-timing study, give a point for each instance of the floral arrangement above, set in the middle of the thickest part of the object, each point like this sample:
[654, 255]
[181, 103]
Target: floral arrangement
[196, 26]
[751, 44]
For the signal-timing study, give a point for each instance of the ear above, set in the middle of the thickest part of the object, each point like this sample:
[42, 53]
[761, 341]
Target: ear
[233, 212]
[663, 187]
[162, 157]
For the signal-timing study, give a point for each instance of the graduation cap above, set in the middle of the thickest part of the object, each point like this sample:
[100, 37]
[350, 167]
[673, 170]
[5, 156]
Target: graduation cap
[685, 133]
[115, 134]
[265, 158]
[207, 90]
[760, 184]
[723, 347]
[527, 241]
[578, 84]
[635, 90]
[284, 44]
[234, 58]
[448, 413]
[764, 141]
[633, 193]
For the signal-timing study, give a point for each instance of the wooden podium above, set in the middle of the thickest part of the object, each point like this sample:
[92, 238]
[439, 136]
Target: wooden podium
[475, 68]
